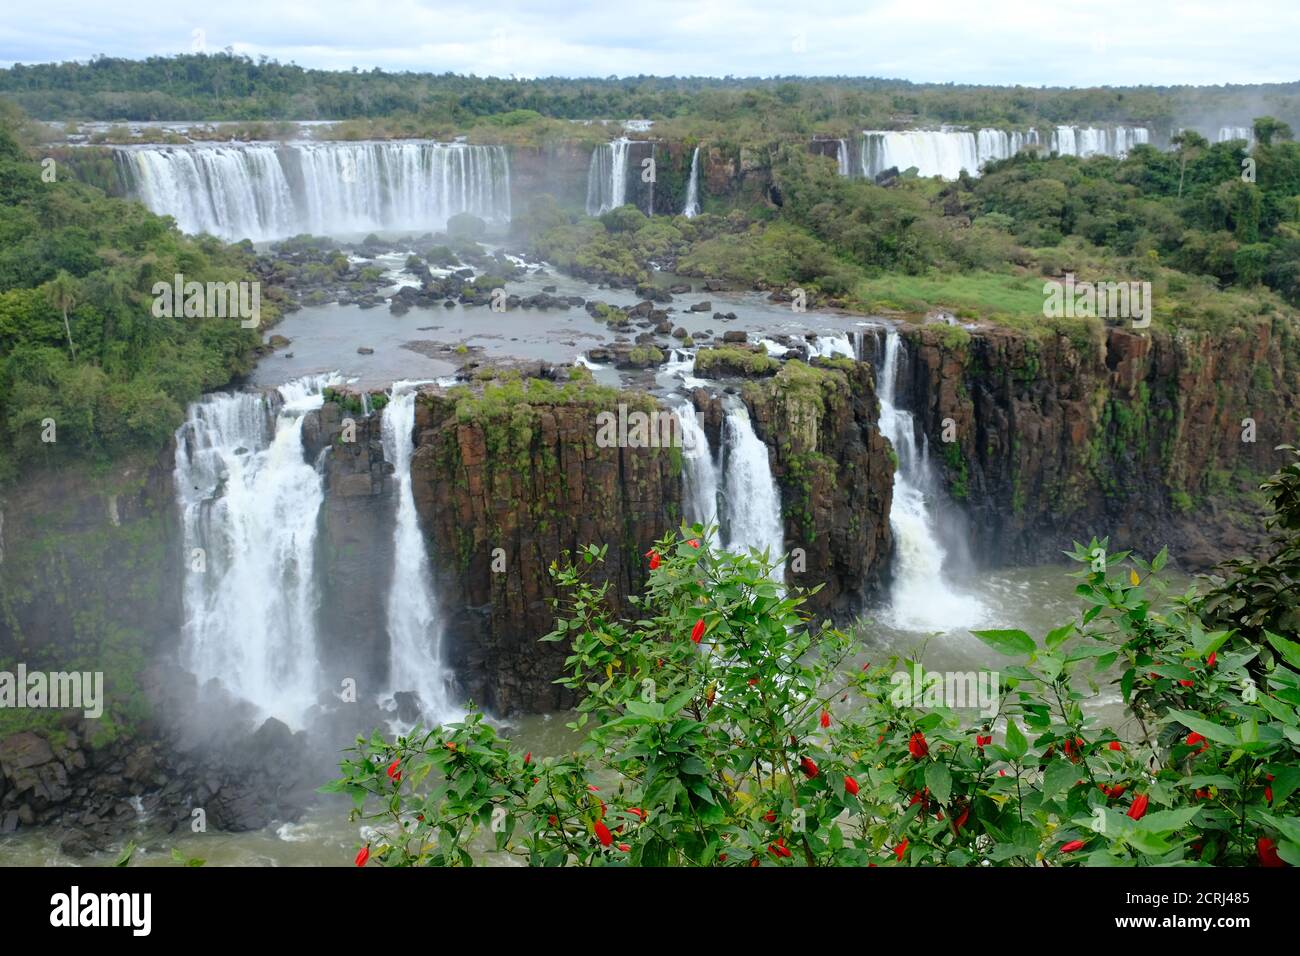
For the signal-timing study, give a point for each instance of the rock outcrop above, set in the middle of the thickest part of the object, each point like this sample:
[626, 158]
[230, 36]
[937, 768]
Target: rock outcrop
[505, 483]
[835, 471]
[1149, 437]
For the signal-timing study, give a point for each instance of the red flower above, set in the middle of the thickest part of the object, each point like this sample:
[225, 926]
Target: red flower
[593, 788]
[637, 812]
[808, 766]
[1194, 738]
[770, 816]
[1139, 807]
[1185, 683]
[1209, 661]
[1115, 745]
[779, 848]
[1002, 773]
[693, 543]
[753, 681]
[1267, 853]
[1113, 792]
[528, 758]
[697, 631]
[363, 855]
[982, 741]
[917, 746]
[900, 850]
[552, 820]
[1072, 846]
[624, 847]
[961, 820]
[653, 555]
[393, 772]
[850, 786]
[603, 834]
[826, 718]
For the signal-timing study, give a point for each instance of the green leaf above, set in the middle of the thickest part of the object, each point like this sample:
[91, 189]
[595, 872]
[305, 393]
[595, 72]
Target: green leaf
[1017, 745]
[1009, 642]
[1057, 636]
[1206, 728]
[1165, 821]
[1289, 852]
[939, 779]
[1060, 774]
[1289, 650]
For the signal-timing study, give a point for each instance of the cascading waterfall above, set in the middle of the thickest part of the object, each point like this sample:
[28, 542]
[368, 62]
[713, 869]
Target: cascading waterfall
[262, 191]
[1229, 133]
[699, 469]
[921, 598]
[751, 516]
[414, 627]
[249, 505]
[692, 208]
[607, 177]
[842, 156]
[830, 346]
[946, 152]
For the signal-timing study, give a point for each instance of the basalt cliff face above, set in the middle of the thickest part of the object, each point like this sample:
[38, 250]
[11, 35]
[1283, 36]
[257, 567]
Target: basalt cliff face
[1149, 437]
[835, 471]
[500, 498]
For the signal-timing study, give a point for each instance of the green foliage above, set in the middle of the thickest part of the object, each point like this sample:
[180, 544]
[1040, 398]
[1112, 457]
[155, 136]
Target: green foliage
[78, 342]
[715, 732]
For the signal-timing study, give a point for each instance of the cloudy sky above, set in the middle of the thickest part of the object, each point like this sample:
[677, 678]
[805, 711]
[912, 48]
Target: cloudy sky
[1048, 42]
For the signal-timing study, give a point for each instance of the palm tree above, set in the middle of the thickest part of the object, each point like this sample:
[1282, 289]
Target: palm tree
[63, 292]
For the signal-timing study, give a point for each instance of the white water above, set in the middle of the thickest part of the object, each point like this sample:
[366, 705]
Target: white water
[263, 191]
[921, 598]
[699, 469]
[829, 346]
[946, 152]
[250, 501]
[607, 177]
[752, 502]
[692, 208]
[1228, 133]
[414, 627]
[842, 157]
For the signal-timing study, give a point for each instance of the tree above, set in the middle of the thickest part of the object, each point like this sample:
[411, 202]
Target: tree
[64, 292]
[1267, 128]
[1190, 145]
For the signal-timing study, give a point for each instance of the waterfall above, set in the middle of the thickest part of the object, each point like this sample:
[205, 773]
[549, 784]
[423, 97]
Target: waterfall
[946, 152]
[842, 156]
[751, 517]
[699, 469]
[1229, 133]
[249, 505]
[414, 627]
[262, 191]
[921, 598]
[829, 346]
[607, 177]
[692, 208]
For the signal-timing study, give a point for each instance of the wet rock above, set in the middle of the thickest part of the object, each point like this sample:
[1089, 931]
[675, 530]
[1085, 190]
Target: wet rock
[705, 306]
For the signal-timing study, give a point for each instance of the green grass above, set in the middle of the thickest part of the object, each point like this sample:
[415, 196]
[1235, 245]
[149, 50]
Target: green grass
[992, 296]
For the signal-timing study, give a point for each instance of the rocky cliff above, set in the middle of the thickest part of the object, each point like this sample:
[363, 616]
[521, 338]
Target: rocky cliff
[508, 479]
[1151, 437]
[835, 471]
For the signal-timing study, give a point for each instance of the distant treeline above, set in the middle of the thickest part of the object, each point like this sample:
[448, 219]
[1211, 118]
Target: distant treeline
[224, 86]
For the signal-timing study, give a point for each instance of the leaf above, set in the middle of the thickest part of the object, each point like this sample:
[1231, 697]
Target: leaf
[1017, 745]
[1285, 782]
[1165, 821]
[1057, 636]
[1060, 774]
[1289, 650]
[1289, 852]
[1206, 728]
[1133, 578]
[1008, 642]
[939, 779]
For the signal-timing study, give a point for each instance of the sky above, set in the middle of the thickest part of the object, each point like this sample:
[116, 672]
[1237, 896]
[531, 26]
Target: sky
[1045, 43]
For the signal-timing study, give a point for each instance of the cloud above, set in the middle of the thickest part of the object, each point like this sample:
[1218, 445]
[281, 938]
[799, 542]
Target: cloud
[1066, 43]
